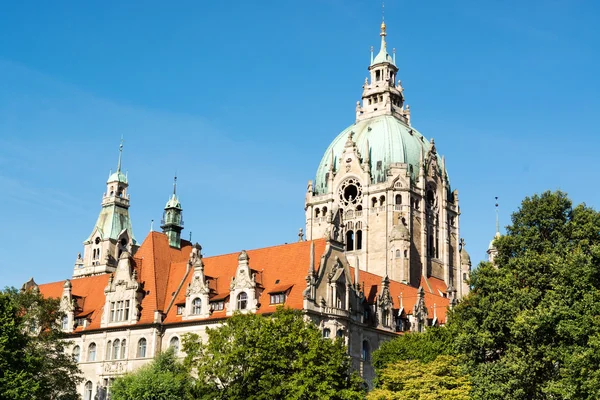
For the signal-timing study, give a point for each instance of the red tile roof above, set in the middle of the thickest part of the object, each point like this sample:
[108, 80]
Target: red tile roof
[163, 272]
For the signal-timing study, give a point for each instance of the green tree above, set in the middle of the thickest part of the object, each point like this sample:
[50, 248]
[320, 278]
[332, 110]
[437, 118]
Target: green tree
[277, 357]
[33, 361]
[442, 378]
[424, 347]
[165, 378]
[530, 328]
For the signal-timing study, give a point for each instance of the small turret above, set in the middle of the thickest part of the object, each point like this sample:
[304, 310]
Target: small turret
[172, 222]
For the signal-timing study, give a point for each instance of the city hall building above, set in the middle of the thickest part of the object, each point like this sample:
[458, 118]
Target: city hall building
[380, 254]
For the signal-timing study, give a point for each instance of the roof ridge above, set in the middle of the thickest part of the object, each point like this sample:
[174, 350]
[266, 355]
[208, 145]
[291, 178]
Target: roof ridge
[266, 247]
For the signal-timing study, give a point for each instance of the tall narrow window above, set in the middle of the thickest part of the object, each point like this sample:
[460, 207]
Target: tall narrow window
[141, 351]
[398, 199]
[108, 350]
[349, 241]
[87, 391]
[92, 352]
[126, 314]
[65, 322]
[116, 349]
[123, 349]
[242, 301]
[358, 240]
[326, 333]
[76, 353]
[112, 311]
[366, 351]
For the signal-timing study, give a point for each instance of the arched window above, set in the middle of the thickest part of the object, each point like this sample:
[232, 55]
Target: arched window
[324, 212]
[317, 213]
[381, 200]
[366, 351]
[108, 350]
[196, 306]
[397, 253]
[141, 350]
[76, 353]
[326, 333]
[242, 301]
[174, 343]
[87, 391]
[116, 349]
[398, 199]
[65, 322]
[358, 240]
[339, 333]
[374, 202]
[350, 225]
[91, 352]
[349, 241]
[123, 349]
[405, 253]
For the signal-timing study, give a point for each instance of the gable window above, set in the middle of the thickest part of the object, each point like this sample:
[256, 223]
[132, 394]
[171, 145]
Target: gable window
[277, 298]
[180, 309]
[92, 352]
[242, 301]
[196, 306]
[141, 351]
[119, 310]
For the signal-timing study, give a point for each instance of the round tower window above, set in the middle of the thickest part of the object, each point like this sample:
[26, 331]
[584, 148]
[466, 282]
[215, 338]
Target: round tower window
[350, 192]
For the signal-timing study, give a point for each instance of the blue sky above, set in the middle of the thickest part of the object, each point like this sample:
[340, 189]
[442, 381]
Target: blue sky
[241, 98]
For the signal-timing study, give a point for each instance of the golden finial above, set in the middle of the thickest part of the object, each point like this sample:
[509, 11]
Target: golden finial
[383, 29]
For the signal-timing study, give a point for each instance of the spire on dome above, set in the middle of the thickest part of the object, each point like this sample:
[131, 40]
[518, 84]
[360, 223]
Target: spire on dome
[120, 155]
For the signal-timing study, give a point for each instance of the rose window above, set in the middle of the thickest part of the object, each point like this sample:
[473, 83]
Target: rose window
[350, 192]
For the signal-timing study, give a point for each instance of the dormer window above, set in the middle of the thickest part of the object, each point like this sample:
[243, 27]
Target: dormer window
[242, 301]
[196, 306]
[65, 322]
[277, 298]
[180, 309]
[119, 310]
[217, 305]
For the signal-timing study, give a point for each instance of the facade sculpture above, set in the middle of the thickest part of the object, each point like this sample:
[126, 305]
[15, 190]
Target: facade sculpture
[380, 254]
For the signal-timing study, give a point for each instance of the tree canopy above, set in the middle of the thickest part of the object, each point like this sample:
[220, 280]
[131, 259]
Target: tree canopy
[164, 378]
[442, 378]
[280, 356]
[529, 329]
[33, 361]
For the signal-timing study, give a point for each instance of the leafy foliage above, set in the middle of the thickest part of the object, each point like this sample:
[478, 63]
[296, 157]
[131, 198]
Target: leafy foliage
[282, 356]
[530, 327]
[424, 347]
[165, 378]
[33, 361]
[441, 378]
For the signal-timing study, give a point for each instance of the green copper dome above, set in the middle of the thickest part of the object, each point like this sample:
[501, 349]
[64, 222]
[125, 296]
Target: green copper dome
[390, 141]
[117, 177]
[173, 202]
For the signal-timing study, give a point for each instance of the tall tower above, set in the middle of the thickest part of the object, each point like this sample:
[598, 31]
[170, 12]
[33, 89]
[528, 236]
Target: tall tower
[172, 222]
[382, 189]
[112, 233]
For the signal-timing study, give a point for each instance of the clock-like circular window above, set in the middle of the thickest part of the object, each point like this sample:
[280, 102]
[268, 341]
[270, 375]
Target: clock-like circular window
[350, 192]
